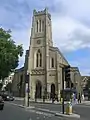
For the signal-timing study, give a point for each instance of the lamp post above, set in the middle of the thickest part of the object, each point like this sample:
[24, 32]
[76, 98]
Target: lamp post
[27, 90]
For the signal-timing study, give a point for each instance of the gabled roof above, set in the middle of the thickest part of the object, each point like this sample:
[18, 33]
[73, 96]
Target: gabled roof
[57, 49]
[75, 69]
[85, 77]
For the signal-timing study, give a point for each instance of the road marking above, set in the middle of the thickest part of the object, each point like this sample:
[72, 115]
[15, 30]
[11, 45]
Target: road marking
[41, 113]
[44, 109]
[30, 119]
[38, 118]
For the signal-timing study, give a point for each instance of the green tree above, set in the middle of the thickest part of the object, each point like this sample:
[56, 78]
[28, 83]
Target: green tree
[9, 53]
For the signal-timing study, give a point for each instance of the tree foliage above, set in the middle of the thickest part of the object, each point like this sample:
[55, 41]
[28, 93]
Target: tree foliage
[9, 53]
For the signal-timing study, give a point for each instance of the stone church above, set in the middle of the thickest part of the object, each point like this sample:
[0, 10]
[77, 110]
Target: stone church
[43, 61]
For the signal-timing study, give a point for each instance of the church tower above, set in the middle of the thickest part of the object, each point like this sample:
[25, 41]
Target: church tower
[38, 61]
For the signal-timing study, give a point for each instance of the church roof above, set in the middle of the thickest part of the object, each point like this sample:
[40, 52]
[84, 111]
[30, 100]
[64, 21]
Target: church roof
[85, 77]
[57, 49]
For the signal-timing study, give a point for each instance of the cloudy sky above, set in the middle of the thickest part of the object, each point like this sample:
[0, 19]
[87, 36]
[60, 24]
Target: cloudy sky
[70, 26]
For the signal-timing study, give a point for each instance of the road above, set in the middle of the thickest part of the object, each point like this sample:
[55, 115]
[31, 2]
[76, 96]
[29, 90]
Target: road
[82, 110]
[12, 112]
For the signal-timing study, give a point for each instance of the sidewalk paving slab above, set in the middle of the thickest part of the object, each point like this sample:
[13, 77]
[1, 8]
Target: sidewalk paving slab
[86, 103]
[40, 101]
[73, 115]
[57, 113]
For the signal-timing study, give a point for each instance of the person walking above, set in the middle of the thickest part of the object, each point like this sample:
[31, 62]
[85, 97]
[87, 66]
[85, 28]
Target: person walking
[79, 98]
[53, 98]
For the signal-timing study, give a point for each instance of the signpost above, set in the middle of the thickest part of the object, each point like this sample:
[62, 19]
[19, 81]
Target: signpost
[66, 73]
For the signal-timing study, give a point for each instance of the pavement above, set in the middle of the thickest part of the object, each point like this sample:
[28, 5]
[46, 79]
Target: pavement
[47, 108]
[81, 109]
[14, 112]
[39, 101]
[49, 101]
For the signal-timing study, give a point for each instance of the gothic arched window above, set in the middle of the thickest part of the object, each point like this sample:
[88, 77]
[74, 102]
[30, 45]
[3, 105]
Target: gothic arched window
[38, 58]
[52, 63]
[42, 25]
[37, 25]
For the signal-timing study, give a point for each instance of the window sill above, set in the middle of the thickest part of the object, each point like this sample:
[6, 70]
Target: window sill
[38, 68]
[52, 68]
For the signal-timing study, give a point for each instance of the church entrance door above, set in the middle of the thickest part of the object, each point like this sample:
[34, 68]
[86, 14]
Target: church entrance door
[52, 90]
[38, 89]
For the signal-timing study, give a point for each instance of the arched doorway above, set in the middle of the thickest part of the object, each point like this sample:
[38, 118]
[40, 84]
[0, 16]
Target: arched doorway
[52, 90]
[68, 84]
[72, 85]
[38, 89]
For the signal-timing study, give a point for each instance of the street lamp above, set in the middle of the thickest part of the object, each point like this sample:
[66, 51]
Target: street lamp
[27, 90]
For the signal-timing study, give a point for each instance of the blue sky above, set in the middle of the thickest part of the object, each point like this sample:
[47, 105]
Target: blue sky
[70, 26]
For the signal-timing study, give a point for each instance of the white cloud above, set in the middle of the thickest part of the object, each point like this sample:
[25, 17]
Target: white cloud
[70, 34]
[71, 26]
[75, 8]
[70, 21]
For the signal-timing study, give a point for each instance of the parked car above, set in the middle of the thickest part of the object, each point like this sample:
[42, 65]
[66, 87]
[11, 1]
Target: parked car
[1, 103]
[7, 97]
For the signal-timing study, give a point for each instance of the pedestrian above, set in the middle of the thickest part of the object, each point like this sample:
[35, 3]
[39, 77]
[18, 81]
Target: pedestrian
[53, 98]
[73, 98]
[79, 98]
